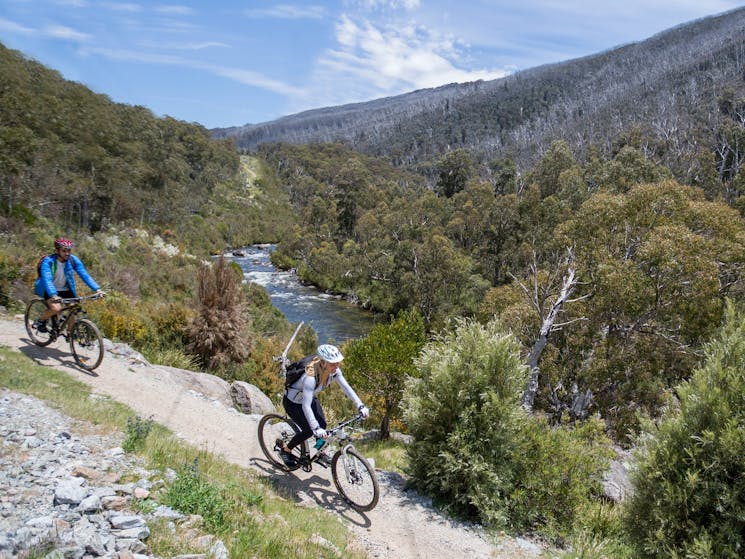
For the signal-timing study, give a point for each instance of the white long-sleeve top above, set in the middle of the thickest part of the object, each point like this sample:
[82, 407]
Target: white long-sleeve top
[303, 390]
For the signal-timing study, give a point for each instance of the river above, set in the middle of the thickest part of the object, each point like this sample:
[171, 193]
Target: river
[333, 318]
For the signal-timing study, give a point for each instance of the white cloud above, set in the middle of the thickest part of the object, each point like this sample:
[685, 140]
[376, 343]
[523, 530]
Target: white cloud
[13, 27]
[63, 32]
[397, 58]
[122, 7]
[240, 75]
[287, 11]
[392, 4]
[181, 46]
[71, 3]
[372, 61]
[174, 10]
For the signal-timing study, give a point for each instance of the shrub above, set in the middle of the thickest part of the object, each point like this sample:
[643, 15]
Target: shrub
[478, 453]
[10, 270]
[191, 493]
[689, 498]
[219, 330]
[464, 414]
[119, 319]
[559, 471]
[137, 431]
[378, 364]
[171, 357]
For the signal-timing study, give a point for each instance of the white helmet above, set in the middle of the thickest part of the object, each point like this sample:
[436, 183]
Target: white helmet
[329, 353]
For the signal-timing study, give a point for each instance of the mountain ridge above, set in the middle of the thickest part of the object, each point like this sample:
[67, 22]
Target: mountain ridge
[676, 73]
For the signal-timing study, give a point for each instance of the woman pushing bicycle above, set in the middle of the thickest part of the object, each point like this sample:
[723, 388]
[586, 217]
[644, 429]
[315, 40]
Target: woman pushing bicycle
[56, 280]
[301, 402]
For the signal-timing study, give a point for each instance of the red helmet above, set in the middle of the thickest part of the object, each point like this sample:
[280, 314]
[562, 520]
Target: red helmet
[62, 243]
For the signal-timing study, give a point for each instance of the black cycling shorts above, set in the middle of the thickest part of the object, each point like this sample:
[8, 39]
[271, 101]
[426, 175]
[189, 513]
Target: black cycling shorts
[66, 294]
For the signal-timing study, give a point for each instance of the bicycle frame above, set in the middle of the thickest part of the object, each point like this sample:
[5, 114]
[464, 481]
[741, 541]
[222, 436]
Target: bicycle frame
[334, 437]
[72, 309]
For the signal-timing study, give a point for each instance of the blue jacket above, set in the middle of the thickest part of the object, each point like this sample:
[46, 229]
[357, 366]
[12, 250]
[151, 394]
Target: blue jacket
[44, 286]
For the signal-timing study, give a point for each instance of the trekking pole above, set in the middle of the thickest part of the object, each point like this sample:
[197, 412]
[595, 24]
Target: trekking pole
[283, 358]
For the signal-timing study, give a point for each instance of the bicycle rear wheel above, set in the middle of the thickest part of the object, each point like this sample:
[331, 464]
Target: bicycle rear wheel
[86, 344]
[274, 431]
[355, 480]
[34, 309]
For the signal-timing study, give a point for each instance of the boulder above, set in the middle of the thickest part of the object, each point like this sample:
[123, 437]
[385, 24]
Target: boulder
[616, 483]
[210, 386]
[249, 399]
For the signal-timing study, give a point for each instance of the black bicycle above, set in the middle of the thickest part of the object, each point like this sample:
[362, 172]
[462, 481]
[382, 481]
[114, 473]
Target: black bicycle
[353, 475]
[72, 322]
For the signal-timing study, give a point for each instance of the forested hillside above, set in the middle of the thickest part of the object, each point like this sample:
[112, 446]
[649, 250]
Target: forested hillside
[666, 87]
[145, 199]
[76, 157]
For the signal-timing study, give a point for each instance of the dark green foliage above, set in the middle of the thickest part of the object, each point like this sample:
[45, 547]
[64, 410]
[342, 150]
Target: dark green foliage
[10, 270]
[454, 171]
[379, 364]
[81, 160]
[689, 499]
[478, 453]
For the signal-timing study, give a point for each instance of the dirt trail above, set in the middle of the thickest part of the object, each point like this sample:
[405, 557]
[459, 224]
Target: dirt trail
[402, 526]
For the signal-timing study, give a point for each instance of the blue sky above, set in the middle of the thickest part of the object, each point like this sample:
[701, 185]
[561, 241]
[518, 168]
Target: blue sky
[229, 62]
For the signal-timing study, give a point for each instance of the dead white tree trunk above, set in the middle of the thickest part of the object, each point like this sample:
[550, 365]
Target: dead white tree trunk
[538, 298]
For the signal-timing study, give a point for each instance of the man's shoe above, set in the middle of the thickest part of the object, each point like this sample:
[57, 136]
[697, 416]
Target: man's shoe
[289, 460]
[323, 459]
[41, 326]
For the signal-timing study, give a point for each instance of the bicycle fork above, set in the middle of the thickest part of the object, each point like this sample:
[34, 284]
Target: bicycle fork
[350, 471]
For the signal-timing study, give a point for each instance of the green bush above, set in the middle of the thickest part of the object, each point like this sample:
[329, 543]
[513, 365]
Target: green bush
[478, 453]
[464, 413]
[689, 498]
[137, 431]
[10, 270]
[559, 472]
[191, 493]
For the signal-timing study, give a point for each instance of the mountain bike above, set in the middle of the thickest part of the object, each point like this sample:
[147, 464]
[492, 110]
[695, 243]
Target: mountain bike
[353, 475]
[72, 322]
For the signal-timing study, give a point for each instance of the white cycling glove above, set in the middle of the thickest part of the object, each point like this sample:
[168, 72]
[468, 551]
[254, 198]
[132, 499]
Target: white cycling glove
[364, 411]
[320, 433]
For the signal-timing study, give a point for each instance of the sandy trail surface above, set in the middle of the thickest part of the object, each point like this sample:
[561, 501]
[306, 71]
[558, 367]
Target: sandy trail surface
[402, 526]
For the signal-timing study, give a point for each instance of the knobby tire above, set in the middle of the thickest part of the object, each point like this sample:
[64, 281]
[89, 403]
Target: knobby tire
[362, 490]
[86, 344]
[274, 426]
[33, 310]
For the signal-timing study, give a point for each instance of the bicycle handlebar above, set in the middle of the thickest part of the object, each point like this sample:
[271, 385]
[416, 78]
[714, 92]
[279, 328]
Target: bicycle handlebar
[73, 300]
[343, 424]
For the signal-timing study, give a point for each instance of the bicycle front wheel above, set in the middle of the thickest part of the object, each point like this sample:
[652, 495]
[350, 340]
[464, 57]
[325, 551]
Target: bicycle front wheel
[86, 344]
[355, 479]
[41, 334]
[274, 431]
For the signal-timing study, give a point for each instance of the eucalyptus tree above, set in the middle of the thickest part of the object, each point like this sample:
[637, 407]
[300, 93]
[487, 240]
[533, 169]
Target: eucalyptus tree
[655, 263]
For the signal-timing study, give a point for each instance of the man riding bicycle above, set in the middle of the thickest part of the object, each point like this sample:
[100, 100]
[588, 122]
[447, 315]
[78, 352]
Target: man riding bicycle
[56, 280]
[301, 402]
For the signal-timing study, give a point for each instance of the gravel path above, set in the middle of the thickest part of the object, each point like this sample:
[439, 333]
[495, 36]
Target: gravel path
[402, 526]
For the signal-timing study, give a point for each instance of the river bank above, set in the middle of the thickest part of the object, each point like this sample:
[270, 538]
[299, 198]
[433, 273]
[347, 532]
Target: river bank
[332, 317]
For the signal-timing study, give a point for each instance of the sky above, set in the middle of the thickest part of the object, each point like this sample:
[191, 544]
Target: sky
[229, 62]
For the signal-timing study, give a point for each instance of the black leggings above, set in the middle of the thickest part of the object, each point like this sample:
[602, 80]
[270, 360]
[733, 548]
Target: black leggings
[295, 411]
